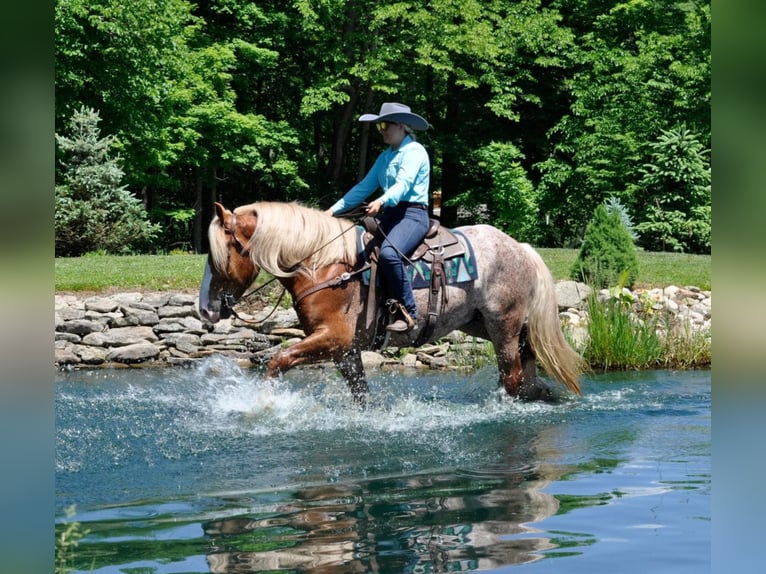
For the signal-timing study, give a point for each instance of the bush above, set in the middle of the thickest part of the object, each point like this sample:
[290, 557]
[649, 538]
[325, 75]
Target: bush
[675, 195]
[607, 256]
[93, 211]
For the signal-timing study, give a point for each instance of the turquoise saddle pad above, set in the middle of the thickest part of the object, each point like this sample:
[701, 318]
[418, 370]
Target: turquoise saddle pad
[457, 269]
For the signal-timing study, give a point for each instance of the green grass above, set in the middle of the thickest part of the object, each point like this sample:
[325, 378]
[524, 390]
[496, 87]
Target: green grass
[104, 273]
[182, 272]
[654, 269]
[622, 335]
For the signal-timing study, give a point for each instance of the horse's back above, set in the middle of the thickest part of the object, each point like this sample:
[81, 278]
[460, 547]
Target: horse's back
[505, 279]
[501, 260]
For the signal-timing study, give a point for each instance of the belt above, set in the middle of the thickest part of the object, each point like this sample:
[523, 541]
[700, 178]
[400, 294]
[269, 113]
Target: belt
[415, 205]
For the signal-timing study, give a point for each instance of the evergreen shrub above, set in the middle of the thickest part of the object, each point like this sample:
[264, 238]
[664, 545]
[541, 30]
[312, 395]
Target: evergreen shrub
[94, 212]
[607, 256]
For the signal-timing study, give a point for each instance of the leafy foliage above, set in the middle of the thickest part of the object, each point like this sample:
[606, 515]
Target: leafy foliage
[238, 101]
[93, 210]
[618, 340]
[510, 199]
[607, 256]
[640, 68]
[675, 188]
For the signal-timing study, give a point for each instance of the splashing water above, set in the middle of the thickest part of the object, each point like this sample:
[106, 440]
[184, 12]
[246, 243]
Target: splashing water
[437, 458]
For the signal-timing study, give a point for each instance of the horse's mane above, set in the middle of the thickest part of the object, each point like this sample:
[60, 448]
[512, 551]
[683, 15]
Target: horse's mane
[291, 238]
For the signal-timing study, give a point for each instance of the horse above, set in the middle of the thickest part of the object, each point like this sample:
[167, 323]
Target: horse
[316, 257]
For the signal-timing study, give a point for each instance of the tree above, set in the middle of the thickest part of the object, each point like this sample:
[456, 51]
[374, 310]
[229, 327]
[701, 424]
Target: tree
[127, 60]
[510, 199]
[676, 190]
[93, 211]
[640, 68]
[607, 256]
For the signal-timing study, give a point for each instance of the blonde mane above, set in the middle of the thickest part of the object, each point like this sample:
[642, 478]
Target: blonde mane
[219, 248]
[290, 238]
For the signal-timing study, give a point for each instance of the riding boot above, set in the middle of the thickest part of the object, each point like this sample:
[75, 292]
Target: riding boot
[403, 324]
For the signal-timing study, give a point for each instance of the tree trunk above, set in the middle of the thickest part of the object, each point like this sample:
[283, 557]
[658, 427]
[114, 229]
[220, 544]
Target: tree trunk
[364, 142]
[199, 205]
[341, 130]
[451, 161]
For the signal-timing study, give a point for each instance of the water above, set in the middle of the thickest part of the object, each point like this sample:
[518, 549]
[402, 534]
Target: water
[215, 469]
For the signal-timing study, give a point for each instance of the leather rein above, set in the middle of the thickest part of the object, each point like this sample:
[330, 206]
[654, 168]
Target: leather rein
[228, 301]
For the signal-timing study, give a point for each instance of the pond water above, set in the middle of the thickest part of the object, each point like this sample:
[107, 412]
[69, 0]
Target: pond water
[215, 469]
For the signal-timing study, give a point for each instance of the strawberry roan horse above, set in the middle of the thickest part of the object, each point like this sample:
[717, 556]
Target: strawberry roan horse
[512, 302]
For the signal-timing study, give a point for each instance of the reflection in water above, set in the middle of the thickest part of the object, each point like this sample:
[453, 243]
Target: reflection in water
[452, 522]
[427, 523]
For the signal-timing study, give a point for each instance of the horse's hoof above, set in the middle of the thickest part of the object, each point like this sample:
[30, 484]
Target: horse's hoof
[536, 390]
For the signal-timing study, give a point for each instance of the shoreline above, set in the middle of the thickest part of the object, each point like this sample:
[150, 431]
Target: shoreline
[164, 329]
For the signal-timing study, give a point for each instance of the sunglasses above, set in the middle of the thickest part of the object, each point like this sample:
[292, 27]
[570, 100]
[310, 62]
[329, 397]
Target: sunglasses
[383, 126]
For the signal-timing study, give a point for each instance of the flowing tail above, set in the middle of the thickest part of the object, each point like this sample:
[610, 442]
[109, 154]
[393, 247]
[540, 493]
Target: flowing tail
[557, 358]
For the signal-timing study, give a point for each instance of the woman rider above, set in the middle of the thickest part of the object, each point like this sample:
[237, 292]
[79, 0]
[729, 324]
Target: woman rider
[402, 172]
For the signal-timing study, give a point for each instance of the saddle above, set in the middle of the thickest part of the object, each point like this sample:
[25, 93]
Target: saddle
[439, 244]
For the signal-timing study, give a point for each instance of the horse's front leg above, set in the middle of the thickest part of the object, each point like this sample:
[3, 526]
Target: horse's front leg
[352, 369]
[322, 345]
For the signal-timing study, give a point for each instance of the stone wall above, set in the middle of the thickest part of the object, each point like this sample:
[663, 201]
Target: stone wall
[165, 328]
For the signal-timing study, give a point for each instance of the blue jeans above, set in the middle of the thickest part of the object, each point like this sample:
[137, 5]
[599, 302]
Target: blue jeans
[404, 227]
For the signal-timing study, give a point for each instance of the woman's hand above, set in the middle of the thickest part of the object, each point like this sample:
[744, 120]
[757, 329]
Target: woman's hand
[374, 207]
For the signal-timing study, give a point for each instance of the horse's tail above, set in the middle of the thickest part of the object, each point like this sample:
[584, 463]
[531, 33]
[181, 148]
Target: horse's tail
[551, 348]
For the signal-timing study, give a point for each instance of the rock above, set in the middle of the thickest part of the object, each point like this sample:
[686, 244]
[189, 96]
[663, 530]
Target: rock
[121, 337]
[136, 353]
[183, 299]
[101, 304]
[372, 360]
[90, 355]
[571, 294]
[142, 316]
[82, 326]
[166, 328]
[176, 311]
[65, 357]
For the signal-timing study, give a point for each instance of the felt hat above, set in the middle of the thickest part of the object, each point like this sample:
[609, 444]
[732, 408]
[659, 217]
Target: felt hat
[399, 113]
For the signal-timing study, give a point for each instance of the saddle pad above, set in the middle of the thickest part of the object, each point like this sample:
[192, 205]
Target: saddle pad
[456, 269]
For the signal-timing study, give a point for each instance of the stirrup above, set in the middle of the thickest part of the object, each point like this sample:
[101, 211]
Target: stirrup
[406, 323]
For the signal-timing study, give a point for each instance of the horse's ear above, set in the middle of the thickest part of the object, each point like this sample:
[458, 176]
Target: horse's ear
[220, 212]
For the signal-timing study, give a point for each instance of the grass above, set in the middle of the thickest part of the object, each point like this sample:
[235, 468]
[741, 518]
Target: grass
[183, 272]
[105, 273]
[654, 269]
[623, 335]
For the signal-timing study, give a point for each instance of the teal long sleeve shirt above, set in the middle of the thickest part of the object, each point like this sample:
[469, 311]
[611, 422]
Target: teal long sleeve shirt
[403, 174]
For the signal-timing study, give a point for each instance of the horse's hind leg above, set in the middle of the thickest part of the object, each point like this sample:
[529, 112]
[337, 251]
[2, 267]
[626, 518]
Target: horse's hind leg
[516, 363]
[532, 387]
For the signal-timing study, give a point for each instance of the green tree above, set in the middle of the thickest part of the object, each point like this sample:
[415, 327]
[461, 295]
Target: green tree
[93, 211]
[166, 86]
[607, 256]
[639, 68]
[509, 199]
[127, 60]
[676, 190]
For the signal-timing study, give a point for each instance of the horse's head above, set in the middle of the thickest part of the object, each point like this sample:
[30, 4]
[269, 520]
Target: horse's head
[229, 269]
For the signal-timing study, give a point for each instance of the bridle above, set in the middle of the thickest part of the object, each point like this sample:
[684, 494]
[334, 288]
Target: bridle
[227, 299]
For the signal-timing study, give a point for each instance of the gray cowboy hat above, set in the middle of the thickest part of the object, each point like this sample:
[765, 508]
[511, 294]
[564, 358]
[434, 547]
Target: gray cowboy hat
[399, 113]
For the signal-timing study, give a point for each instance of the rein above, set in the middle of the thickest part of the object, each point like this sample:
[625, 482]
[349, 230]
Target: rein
[228, 301]
[341, 279]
